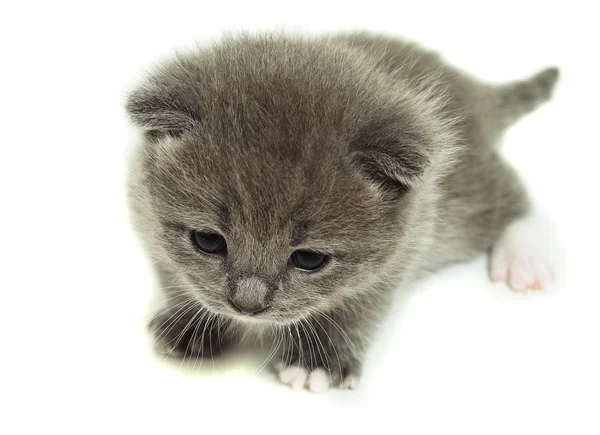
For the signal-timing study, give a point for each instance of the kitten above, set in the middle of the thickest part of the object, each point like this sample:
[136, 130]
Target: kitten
[287, 186]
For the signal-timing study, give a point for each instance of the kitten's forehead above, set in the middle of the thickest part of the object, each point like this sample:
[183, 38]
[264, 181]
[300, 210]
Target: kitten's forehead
[263, 195]
[283, 192]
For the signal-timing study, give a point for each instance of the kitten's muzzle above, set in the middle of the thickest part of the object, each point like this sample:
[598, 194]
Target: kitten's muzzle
[248, 310]
[249, 295]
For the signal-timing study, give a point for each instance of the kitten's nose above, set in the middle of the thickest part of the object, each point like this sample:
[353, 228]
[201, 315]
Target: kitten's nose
[249, 310]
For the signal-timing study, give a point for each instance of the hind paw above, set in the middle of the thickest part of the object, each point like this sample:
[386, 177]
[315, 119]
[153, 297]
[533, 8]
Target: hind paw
[524, 256]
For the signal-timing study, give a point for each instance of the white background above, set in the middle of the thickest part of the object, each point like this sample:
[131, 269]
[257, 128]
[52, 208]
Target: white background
[459, 354]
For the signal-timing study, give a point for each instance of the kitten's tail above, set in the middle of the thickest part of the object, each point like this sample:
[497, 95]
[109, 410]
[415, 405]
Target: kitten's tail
[511, 101]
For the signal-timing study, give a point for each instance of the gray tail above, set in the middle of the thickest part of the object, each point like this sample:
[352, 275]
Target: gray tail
[516, 99]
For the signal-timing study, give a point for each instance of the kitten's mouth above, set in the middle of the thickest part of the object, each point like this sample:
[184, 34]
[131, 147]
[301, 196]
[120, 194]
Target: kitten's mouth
[249, 312]
[252, 315]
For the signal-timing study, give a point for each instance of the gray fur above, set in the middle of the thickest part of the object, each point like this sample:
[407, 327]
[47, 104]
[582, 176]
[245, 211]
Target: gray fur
[365, 147]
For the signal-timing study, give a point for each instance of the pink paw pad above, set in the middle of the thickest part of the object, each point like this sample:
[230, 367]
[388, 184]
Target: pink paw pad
[523, 257]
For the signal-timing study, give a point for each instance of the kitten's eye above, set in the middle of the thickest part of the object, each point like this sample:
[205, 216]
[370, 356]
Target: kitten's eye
[209, 243]
[309, 260]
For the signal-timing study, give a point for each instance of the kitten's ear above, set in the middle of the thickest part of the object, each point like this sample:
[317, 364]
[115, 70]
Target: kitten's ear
[163, 109]
[391, 154]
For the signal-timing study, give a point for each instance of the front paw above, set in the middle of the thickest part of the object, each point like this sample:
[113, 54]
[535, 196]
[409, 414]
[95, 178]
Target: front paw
[193, 334]
[318, 380]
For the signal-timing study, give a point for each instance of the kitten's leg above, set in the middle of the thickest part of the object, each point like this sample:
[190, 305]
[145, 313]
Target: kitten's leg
[322, 352]
[525, 257]
[188, 330]
[182, 327]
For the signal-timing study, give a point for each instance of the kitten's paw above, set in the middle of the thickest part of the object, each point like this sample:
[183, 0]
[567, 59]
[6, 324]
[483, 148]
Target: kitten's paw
[297, 378]
[524, 257]
[294, 376]
[350, 382]
[318, 380]
[163, 341]
[188, 335]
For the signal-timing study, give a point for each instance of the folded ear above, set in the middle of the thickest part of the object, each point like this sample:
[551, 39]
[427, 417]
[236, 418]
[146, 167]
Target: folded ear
[164, 106]
[392, 153]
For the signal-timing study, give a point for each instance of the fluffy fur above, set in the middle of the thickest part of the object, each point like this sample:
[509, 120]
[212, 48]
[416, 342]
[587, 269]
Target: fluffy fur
[364, 147]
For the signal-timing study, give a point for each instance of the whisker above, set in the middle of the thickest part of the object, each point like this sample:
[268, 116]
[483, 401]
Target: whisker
[300, 347]
[324, 356]
[309, 343]
[196, 336]
[172, 321]
[161, 302]
[184, 330]
[332, 346]
[345, 336]
[192, 341]
[270, 355]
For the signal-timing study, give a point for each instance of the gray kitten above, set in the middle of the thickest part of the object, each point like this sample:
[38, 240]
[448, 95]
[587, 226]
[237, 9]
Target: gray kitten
[287, 186]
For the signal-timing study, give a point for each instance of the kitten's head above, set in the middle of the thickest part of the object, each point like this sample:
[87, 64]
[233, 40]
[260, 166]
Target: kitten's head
[280, 176]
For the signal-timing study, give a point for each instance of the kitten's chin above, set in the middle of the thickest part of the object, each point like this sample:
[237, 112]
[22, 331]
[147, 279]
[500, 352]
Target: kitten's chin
[251, 320]
[261, 320]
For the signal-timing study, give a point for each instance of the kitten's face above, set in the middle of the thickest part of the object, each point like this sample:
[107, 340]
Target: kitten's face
[277, 176]
[285, 234]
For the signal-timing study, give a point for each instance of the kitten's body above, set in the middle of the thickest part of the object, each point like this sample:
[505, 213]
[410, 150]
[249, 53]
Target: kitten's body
[365, 147]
